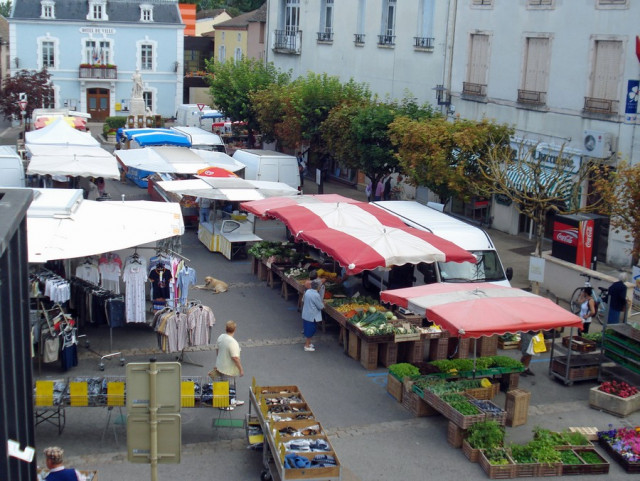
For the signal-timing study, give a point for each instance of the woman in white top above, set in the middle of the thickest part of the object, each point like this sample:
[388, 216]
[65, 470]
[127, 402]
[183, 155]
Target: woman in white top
[587, 308]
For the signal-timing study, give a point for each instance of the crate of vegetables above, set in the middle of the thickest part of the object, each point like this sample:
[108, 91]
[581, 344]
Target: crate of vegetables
[492, 411]
[459, 409]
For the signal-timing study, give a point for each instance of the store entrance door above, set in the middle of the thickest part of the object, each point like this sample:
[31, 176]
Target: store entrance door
[98, 104]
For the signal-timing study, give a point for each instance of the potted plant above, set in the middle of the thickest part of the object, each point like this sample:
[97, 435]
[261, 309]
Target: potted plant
[497, 463]
[615, 397]
[482, 435]
[526, 463]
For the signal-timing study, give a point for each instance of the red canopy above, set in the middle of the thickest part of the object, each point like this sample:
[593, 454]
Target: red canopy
[360, 236]
[261, 208]
[482, 309]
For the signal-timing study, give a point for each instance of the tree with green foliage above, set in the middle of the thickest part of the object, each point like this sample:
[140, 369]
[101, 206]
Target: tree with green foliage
[5, 8]
[232, 84]
[443, 155]
[358, 134]
[36, 85]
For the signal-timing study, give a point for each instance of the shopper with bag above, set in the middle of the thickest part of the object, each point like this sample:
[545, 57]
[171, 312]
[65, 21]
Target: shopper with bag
[531, 344]
[228, 364]
[587, 308]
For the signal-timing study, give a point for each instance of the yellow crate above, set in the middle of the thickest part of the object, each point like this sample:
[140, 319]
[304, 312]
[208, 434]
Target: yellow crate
[44, 393]
[188, 394]
[79, 393]
[115, 393]
[220, 394]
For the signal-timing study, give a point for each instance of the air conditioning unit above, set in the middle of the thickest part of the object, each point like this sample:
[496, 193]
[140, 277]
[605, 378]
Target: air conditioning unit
[597, 144]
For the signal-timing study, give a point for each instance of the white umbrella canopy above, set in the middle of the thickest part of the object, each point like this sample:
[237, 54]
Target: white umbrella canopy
[76, 161]
[229, 188]
[179, 160]
[60, 133]
[62, 225]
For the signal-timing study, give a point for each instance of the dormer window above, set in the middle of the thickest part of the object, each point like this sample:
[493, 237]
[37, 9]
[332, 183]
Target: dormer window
[48, 9]
[146, 13]
[97, 10]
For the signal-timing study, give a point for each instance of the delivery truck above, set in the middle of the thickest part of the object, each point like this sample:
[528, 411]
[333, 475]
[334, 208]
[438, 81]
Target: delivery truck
[269, 165]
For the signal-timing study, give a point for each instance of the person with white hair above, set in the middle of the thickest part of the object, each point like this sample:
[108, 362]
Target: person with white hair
[54, 458]
[312, 305]
[617, 299]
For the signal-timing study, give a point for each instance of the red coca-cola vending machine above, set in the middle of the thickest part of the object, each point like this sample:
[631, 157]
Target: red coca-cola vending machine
[575, 239]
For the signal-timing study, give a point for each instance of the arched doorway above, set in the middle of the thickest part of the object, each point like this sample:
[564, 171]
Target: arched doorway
[98, 103]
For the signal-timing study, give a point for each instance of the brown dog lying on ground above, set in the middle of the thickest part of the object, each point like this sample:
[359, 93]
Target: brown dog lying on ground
[215, 285]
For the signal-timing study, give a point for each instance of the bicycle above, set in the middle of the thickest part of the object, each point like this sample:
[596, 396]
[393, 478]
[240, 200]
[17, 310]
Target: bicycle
[600, 299]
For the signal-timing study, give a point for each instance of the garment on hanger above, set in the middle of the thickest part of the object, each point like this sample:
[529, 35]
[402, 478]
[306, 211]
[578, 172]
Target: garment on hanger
[186, 277]
[160, 277]
[200, 321]
[88, 270]
[134, 276]
[110, 272]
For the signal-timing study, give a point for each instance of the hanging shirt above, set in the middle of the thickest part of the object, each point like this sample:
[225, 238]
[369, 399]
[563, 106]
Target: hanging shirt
[160, 283]
[110, 276]
[89, 273]
[135, 276]
[186, 278]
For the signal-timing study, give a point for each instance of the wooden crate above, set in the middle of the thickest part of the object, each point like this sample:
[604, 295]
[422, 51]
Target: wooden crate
[506, 345]
[497, 471]
[369, 354]
[629, 467]
[509, 381]
[459, 347]
[415, 404]
[472, 454]
[485, 346]
[394, 387]
[584, 368]
[553, 469]
[455, 435]
[589, 432]
[438, 349]
[580, 344]
[484, 392]
[517, 407]
[411, 351]
[354, 345]
[387, 353]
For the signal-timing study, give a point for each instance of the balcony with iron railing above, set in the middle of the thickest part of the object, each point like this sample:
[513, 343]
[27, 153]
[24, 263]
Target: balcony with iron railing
[98, 72]
[326, 36]
[423, 42]
[532, 97]
[600, 106]
[358, 38]
[476, 90]
[287, 41]
[386, 40]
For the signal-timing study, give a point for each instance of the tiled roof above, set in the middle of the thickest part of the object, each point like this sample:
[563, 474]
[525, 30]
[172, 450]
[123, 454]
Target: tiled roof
[211, 13]
[258, 15]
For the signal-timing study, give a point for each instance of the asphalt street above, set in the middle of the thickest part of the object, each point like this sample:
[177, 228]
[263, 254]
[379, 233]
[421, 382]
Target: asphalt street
[375, 438]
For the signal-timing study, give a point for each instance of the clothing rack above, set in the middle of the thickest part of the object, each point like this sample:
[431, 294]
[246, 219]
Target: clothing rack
[168, 251]
[184, 356]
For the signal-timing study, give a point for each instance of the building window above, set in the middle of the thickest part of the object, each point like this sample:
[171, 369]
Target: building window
[222, 53]
[482, 3]
[148, 101]
[613, 3]
[535, 73]
[425, 39]
[97, 10]
[476, 83]
[540, 3]
[262, 32]
[49, 100]
[362, 8]
[222, 36]
[237, 55]
[48, 57]
[97, 52]
[388, 34]
[146, 13]
[292, 17]
[146, 57]
[605, 77]
[47, 9]
[326, 19]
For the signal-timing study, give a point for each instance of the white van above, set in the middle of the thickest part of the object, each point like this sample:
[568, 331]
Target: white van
[269, 165]
[188, 115]
[487, 269]
[11, 167]
[201, 139]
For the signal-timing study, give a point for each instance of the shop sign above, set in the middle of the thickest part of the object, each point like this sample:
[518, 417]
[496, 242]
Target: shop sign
[98, 30]
[503, 199]
[565, 234]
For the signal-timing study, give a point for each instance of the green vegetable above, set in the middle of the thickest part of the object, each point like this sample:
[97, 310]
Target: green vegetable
[404, 369]
[460, 404]
[485, 434]
[521, 454]
[591, 457]
[497, 456]
[569, 457]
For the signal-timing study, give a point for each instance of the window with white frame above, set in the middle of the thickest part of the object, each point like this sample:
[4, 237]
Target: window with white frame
[146, 56]
[540, 3]
[606, 74]
[47, 48]
[237, 55]
[146, 13]
[97, 10]
[97, 52]
[387, 36]
[535, 72]
[148, 100]
[613, 3]
[425, 24]
[482, 3]
[478, 65]
[326, 17]
[291, 17]
[222, 53]
[47, 9]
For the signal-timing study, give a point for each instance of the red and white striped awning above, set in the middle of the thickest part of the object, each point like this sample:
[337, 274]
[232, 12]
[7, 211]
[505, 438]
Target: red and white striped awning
[361, 237]
[261, 208]
[481, 309]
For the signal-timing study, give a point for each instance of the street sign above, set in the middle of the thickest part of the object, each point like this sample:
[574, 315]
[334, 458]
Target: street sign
[169, 438]
[167, 392]
[201, 106]
[22, 104]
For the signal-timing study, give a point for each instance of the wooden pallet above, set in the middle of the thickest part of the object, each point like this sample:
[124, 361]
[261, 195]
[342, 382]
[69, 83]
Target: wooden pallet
[591, 433]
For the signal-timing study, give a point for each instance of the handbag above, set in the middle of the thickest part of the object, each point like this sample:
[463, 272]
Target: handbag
[538, 343]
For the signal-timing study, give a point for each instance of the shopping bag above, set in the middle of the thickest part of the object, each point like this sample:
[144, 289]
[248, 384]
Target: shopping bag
[538, 343]
[530, 350]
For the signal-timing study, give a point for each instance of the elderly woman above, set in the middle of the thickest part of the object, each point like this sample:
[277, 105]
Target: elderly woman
[311, 313]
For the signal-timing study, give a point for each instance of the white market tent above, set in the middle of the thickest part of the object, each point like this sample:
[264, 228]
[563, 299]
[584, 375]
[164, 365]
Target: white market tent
[179, 160]
[62, 225]
[228, 188]
[59, 149]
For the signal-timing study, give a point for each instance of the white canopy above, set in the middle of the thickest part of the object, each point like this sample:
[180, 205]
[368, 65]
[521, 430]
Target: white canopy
[62, 225]
[231, 189]
[60, 133]
[76, 161]
[180, 160]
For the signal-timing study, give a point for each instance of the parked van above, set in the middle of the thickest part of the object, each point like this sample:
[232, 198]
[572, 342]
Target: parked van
[269, 165]
[487, 269]
[201, 139]
[188, 115]
[11, 167]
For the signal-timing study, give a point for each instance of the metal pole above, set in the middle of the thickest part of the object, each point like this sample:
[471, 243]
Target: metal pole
[153, 420]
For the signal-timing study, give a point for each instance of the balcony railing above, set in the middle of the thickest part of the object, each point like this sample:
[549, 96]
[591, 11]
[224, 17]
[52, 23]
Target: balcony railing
[600, 106]
[423, 42]
[386, 39]
[286, 41]
[479, 90]
[532, 97]
[325, 36]
[99, 72]
[358, 38]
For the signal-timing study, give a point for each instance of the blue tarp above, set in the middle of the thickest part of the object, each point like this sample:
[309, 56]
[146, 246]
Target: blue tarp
[147, 136]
